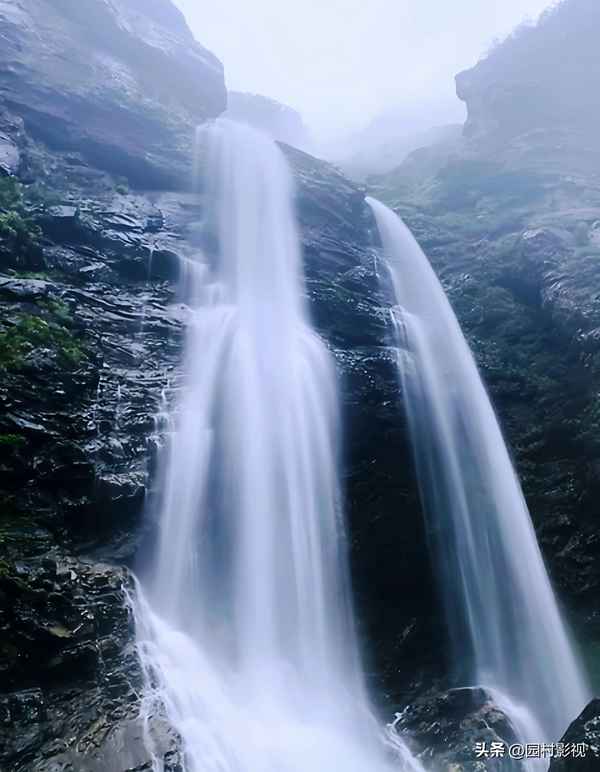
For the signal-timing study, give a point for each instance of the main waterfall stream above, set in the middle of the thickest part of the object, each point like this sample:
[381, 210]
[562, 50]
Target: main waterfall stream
[503, 617]
[244, 621]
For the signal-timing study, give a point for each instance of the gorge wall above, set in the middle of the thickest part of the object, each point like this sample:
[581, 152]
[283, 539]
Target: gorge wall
[96, 221]
[510, 217]
[279, 121]
[543, 76]
[98, 107]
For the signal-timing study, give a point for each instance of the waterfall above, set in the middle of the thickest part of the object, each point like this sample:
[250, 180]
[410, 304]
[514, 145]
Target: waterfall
[502, 614]
[243, 615]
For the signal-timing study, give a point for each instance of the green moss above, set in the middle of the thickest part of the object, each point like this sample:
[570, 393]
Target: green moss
[11, 195]
[462, 184]
[31, 332]
[122, 186]
[19, 235]
[12, 440]
[40, 196]
[59, 309]
[43, 275]
[18, 229]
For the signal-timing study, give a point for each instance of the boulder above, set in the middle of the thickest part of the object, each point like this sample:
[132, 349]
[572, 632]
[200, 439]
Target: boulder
[457, 730]
[580, 745]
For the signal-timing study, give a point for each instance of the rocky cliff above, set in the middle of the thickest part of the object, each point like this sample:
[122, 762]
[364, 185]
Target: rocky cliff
[118, 80]
[543, 76]
[98, 107]
[510, 217]
[96, 99]
[279, 121]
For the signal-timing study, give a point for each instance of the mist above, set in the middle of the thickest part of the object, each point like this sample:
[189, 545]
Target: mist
[342, 63]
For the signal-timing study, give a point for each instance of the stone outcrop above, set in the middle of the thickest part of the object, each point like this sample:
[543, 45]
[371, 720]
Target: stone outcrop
[583, 734]
[509, 217]
[445, 729]
[121, 81]
[279, 121]
[542, 77]
[517, 257]
[97, 222]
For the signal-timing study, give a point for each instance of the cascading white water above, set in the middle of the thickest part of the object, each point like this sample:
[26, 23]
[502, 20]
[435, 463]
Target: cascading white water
[244, 622]
[501, 608]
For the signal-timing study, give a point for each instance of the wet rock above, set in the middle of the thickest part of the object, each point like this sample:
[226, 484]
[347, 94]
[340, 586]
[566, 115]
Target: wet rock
[122, 747]
[116, 82]
[61, 223]
[445, 730]
[116, 505]
[26, 289]
[581, 741]
[10, 158]
[77, 401]
[63, 626]
[23, 713]
[509, 229]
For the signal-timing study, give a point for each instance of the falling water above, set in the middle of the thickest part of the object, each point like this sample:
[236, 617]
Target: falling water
[244, 623]
[502, 612]
[144, 314]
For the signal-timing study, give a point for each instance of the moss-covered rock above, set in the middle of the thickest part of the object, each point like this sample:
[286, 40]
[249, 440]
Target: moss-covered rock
[19, 234]
[27, 335]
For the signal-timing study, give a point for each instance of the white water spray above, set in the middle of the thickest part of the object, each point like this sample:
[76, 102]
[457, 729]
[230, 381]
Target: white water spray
[244, 622]
[502, 612]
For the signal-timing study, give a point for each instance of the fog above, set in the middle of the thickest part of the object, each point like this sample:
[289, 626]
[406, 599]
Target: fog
[341, 63]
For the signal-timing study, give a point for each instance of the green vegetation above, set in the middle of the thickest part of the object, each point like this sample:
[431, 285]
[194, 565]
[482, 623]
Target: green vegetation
[11, 196]
[40, 196]
[30, 332]
[122, 186]
[463, 184]
[19, 235]
[48, 325]
[59, 309]
[12, 440]
[42, 275]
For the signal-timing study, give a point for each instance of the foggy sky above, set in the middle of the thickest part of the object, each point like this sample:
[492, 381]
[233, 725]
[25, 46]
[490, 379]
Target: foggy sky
[341, 62]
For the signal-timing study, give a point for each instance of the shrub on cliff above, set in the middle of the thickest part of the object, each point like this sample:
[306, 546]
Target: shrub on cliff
[19, 235]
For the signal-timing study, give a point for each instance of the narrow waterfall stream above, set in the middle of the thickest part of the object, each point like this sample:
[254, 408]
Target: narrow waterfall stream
[503, 617]
[244, 620]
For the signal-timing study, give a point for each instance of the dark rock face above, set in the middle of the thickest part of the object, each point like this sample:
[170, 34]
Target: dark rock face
[509, 220]
[85, 353]
[541, 77]
[523, 278]
[89, 348]
[279, 121]
[91, 333]
[584, 731]
[115, 81]
[445, 730]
